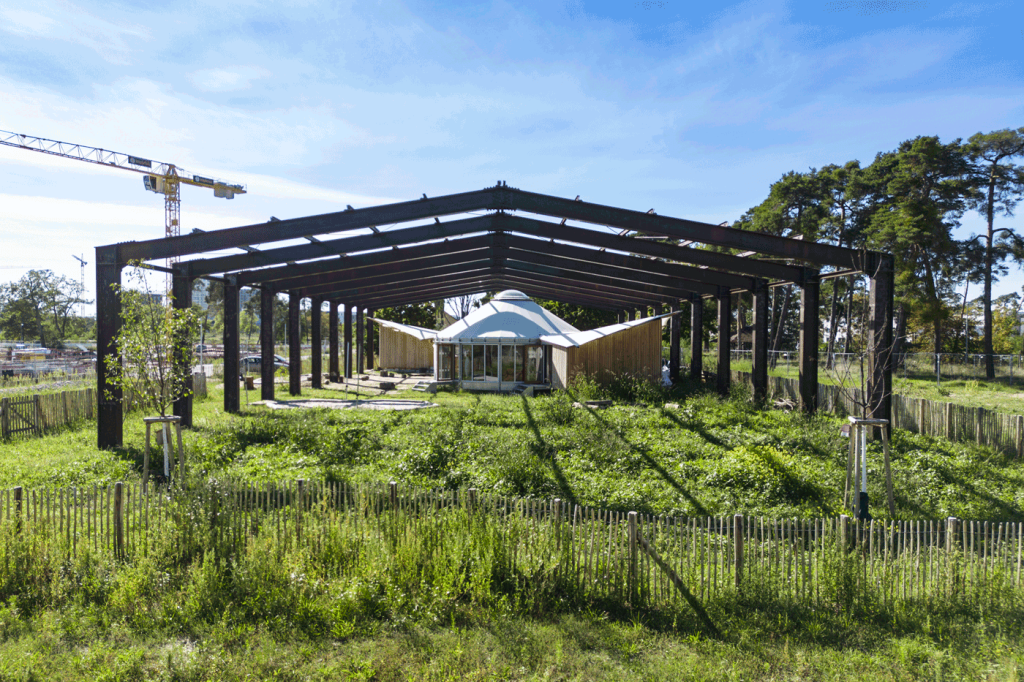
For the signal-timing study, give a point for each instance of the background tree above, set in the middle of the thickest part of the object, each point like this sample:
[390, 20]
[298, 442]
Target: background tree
[1000, 183]
[151, 337]
[40, 304]
[462, 305]
[417, 315]
[919, 193]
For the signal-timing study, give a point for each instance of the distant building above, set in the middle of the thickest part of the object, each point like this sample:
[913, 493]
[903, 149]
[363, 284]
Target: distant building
[512, 341]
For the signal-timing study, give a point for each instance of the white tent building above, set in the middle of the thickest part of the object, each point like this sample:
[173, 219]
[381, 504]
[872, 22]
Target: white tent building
[512, 341]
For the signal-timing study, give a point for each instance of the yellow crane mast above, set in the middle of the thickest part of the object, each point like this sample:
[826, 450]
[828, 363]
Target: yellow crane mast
[159, 177]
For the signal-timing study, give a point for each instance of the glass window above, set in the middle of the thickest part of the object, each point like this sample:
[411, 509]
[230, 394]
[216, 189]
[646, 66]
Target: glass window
[491, 362]
[446, 360]
[508, 363]
[467, 362]
[478, 363]
[520, 363]
[535, 364]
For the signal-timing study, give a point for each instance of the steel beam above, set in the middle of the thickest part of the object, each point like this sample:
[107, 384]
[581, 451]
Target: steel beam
[598, 279]
[360, 287]
[109, 412]
[759, 345]
[316, 343]
[299, 228]
[880, 339]
[680, 228]
[809, 335]
[644, 265]
[181, 300]
[334, 364]
[377, 261]
[232, 397]
[381, 271]
[294, 345]
[267, 296]
[724, 318]
[348, 340]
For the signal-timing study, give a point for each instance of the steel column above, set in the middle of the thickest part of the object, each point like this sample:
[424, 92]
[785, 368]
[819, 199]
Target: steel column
[696, 338]
[294, 345]
[181, 300]
[267, 296]
[316, 343]
[369, 339]
[232, 399]
[880, 339]
[658, 308]
[673, 352]
[724, 318]
[359, 340]
[348, 341]
[809, 344]
[334, 364]
[109, 413]
[620, 317]
[759, 347]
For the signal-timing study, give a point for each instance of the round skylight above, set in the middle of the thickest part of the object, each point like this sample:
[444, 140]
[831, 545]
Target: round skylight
[511, 295]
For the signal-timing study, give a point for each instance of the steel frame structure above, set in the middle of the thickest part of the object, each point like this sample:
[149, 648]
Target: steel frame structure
[416, 261]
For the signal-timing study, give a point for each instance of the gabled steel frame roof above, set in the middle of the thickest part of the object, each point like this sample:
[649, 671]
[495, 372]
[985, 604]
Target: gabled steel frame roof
[645, 259]
[424, 258]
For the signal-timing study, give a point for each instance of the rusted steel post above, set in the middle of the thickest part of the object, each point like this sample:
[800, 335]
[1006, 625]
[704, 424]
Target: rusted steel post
[696, 338]
[181, 300]
[232, 398]
[809, 343]
[267, 296]
[334, 363]
[348, 341]
[360, 367]
[294, 345]
[759, 352]
[109, 417]
[880, 341]
[724, 319]
[316, 343]
[673, 351]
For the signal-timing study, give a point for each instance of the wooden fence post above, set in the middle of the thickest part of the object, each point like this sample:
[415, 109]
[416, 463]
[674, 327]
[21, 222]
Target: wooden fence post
[844, 525]
[1020, 435]
[118, 520]
[978, 430]
[393, 494]
[951, 533]
[37, 410]
[737, 531]
[949, 421]
[88, 403]
[5, 418]
[558, 523]
[300, 507]
[920, 415]
[17, 509]
[632, 582]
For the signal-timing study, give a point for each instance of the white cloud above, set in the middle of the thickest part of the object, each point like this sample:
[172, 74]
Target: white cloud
[67, 22]
[227, 79]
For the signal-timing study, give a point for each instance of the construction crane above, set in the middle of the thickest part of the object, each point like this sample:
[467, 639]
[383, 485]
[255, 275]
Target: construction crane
[159, 177]
[81, 306]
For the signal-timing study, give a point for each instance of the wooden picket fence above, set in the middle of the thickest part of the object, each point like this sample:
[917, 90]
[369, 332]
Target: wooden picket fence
[596, 554]
[34, 415]
[947, 420]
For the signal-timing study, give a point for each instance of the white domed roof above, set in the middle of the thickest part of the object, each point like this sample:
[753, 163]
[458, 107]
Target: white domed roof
[510, 295]
[509, 315]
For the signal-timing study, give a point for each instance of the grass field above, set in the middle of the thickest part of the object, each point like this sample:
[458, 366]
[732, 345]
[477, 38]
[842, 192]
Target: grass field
[291, 618]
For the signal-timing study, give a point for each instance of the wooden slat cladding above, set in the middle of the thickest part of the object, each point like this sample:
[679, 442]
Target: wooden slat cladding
[635, 351]
[399, 351]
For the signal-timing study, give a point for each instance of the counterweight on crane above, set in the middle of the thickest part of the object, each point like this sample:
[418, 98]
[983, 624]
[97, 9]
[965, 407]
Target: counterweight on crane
[159, 177]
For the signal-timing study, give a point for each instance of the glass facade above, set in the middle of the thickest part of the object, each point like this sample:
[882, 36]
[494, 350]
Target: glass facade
[492, 362]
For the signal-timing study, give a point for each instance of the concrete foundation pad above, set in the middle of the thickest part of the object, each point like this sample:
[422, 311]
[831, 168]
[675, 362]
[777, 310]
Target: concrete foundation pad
[386, 404]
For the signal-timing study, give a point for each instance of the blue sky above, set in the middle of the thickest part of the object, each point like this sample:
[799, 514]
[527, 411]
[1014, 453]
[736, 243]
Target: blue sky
[688, 108]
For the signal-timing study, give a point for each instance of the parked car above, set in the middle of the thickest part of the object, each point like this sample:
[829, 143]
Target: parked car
[252, 363]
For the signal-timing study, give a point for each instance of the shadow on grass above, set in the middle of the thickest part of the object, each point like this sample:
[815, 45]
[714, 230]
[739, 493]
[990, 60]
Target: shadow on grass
[699, 508]
[548, 454]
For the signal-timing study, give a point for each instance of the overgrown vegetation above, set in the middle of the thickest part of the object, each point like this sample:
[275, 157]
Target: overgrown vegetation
[337, 611]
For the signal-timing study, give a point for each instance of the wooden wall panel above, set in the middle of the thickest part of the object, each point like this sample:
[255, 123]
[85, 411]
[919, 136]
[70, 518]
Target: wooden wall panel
[633, 351]
[399, 351]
